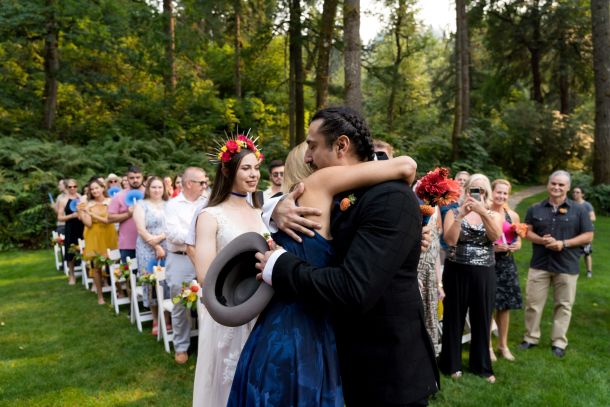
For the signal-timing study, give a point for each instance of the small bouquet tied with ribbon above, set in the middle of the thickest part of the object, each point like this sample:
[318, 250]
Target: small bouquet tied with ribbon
[122, 271]
[58, 240]
[189, 294]
[436, 189]
[147, 279]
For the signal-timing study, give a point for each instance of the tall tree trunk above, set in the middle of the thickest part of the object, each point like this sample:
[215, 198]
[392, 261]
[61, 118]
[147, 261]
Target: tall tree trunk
[351, 39]
[462, 78]
[536, 54]
[237, 9]
[398, 21]
[51, 67]
[297, 75]
[170, 47]
[327, 25]
[600, 19]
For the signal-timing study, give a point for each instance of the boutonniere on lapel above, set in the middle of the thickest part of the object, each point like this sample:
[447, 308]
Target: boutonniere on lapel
[347, 202]
[563, 211]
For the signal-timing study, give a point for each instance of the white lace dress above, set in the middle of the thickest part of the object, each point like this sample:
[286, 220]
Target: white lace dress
[219, 346]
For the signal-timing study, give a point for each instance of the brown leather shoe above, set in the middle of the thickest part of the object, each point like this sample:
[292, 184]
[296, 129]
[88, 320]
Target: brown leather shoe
[181, 358]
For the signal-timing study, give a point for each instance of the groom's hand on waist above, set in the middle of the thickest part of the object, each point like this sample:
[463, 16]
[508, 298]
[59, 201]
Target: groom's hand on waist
[290, 218]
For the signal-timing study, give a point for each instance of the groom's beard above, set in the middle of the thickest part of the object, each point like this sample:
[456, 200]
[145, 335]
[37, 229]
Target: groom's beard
[313, 166]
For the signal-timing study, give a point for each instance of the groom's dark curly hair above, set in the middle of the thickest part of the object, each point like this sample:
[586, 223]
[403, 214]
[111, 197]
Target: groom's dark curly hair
[344, 120]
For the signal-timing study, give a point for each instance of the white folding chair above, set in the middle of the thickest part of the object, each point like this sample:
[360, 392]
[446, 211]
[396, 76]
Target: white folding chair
[163, 305]
[115, 256]
[137, 296]
[57, 250]
[78, 268]
[87, 281]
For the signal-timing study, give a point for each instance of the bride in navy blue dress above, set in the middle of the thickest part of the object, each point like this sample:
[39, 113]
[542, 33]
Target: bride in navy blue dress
[290, 358]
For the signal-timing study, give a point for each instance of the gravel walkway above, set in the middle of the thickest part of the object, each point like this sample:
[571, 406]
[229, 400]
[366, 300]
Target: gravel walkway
[517, 197]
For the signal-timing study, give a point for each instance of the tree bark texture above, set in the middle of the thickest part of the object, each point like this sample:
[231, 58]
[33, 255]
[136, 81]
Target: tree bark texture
[462, 78]
[352, 62]
[170, 46]
[600, 19]
[536, 54]
[51, 67]
[325, 41]
[297, 74]
[399, 18]
[237, 45]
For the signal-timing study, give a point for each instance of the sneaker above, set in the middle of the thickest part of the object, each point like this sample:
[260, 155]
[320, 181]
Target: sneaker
[589, 274]
[557, 351]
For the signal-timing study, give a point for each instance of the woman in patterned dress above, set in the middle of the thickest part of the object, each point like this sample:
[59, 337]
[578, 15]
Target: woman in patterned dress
[508, 291]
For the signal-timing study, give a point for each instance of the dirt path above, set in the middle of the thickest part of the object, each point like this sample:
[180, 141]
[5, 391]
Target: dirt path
[517, 197]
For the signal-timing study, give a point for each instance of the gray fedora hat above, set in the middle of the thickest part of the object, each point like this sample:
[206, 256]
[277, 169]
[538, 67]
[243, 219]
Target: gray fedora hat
[231, 293]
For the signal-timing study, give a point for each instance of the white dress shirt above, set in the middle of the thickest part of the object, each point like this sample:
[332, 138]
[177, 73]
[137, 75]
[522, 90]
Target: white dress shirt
[179, 214]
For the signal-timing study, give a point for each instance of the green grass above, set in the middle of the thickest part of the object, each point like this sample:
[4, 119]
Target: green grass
[59, 348]
[537, 378]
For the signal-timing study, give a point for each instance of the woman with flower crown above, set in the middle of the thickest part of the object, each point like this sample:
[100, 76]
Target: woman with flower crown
[290, 358]
[228, 215]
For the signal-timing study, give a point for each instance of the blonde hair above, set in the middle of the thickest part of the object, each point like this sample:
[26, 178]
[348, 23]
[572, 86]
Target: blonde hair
[383, 145]
[501, 182]
[295, 169]
[485, 185]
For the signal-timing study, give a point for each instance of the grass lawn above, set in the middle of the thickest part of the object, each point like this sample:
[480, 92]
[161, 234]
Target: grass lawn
[537, 378]
[59, 348]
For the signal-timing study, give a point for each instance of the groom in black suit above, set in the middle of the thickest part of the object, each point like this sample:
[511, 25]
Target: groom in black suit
[386, 356]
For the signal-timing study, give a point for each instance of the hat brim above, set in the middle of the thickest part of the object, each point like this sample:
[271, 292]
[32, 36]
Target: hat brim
[231, 293]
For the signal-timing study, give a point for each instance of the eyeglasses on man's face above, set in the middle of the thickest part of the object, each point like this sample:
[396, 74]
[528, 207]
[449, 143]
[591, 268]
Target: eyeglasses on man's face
[277, 174]
[113, 181]
[201, 183]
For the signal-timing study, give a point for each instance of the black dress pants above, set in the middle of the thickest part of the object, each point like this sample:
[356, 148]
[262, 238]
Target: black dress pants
[471, 288]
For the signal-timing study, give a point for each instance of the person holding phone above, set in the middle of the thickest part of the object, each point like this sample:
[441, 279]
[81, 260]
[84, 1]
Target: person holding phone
[469, 279]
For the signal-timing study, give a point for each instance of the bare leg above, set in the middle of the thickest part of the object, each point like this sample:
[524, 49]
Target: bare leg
[589, 264]
[503, 320]
[97, 279]
[71, 278]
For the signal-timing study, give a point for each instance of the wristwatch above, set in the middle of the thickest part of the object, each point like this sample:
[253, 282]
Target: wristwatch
[565, 244]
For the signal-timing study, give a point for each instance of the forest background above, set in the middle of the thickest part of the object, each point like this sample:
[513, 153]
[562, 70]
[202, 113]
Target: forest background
[91, 86]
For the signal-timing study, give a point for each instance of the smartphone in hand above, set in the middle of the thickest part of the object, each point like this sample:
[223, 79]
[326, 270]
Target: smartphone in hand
[475, 192]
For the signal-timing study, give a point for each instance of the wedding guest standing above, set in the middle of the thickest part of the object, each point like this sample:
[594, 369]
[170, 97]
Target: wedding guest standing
[276, 174]
[149, 216]
[120, 212]
[73, 225]
[100, 234]
[508, 291]
[469, 279]
[177, 186]
[179, 269]
[228, 215]
[557, 227]
[578, 195]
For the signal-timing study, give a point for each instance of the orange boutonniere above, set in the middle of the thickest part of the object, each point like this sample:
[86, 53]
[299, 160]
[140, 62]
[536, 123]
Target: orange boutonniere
[347, 202]
[563, 210]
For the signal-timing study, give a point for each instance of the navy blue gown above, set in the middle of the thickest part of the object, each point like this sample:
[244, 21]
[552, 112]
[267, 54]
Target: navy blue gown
[290, 358]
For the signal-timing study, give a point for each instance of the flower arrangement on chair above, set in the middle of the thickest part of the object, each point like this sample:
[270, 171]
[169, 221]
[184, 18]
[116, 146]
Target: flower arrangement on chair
[436, 189]
[122, 272]
[58, 240]
[188, 295]
[147, 279]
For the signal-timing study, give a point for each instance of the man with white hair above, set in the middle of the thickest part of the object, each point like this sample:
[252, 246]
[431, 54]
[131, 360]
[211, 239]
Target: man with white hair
[179, 268]
[557, 228]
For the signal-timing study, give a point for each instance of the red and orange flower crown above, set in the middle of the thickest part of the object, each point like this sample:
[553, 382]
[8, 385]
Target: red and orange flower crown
[226, 149]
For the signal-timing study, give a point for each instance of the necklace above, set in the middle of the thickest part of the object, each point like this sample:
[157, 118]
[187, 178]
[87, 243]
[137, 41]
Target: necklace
[238, 194]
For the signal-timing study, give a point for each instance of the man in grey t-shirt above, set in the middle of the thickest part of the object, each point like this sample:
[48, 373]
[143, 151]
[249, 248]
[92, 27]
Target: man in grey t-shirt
[578, 195]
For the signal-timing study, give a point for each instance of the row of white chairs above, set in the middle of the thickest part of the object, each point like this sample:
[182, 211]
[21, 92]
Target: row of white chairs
[136, 295]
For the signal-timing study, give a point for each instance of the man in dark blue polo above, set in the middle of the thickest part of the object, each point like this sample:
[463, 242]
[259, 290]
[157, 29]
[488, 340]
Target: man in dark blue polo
[557, 228]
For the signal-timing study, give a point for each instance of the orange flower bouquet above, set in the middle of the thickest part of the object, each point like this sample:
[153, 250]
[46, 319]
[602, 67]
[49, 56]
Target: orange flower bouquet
[436, 189]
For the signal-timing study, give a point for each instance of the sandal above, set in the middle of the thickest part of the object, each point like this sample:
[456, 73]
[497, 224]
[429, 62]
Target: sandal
[492, 355]
[456, 375]
[506, 354]
[490, 379]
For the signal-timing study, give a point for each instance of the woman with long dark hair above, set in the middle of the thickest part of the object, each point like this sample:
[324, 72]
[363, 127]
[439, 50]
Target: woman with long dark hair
[73, 225]
[228, 215]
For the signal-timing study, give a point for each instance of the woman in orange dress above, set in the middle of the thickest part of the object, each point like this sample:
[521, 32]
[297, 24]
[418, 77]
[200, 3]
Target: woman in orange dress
[100, 235]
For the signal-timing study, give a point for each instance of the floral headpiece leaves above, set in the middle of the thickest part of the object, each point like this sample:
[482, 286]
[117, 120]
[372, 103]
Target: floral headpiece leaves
[233, 144]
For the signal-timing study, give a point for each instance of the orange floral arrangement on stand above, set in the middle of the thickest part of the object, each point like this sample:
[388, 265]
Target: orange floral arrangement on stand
[436, 189]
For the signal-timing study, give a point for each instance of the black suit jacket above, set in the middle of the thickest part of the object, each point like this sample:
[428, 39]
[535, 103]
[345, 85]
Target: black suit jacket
[385, 352]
